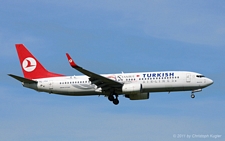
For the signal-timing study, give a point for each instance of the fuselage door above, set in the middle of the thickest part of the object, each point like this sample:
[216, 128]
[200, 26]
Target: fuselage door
[51, 85]
[188, 77]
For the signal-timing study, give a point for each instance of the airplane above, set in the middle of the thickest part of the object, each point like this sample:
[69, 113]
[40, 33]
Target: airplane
[135, 86]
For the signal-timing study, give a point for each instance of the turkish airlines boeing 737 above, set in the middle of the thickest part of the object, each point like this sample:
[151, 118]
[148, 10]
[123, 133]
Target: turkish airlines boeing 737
[135, 86]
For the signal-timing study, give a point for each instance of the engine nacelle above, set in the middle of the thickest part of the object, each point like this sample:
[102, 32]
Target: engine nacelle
[132, 88]
[140, 96]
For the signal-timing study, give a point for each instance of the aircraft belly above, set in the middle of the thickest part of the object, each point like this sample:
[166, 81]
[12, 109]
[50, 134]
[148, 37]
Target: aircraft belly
[75, 93]
[72, 90]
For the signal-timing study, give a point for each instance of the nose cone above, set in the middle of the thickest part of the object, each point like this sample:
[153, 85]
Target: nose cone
[209, 82]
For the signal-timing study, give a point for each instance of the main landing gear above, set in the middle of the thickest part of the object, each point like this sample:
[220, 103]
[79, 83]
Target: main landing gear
[113, 99]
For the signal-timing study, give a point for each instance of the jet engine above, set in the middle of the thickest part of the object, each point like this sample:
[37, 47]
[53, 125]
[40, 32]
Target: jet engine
[132, 88]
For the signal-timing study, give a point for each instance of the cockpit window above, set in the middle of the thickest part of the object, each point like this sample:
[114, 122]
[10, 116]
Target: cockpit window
[200, 76]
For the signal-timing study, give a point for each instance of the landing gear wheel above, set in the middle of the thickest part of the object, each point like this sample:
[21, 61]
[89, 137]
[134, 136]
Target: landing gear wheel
[116, 101]
[110, 97]
[192, 95]
[113, 97]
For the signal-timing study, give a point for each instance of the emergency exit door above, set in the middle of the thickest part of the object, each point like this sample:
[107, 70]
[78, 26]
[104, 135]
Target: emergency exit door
[188, 77]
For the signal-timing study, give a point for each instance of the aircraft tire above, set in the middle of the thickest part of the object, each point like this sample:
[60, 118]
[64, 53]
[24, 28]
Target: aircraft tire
[116, 101]
[110, 97]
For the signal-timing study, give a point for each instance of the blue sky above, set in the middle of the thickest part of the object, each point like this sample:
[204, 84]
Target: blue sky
[110, 37]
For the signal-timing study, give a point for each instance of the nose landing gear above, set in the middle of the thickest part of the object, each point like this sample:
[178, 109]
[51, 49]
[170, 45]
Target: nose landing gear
[192, 95]
[194, 91]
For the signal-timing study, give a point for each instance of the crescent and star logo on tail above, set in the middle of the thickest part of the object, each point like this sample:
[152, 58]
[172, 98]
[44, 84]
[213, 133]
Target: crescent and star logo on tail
[29, 64]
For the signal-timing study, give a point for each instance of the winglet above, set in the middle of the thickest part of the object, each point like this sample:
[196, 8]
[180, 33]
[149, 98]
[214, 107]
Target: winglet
[72, 63]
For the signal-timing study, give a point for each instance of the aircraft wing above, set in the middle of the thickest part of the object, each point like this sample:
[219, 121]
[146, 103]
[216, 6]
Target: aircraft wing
[101, 81]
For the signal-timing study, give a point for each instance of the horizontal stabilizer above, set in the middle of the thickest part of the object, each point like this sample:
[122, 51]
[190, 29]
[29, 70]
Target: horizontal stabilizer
[21, 79]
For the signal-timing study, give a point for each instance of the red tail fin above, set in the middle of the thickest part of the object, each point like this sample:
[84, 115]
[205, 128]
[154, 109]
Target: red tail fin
[31, 67]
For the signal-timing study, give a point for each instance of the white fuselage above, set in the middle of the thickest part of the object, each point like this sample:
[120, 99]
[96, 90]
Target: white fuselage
[165, 81]
[135, 86]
